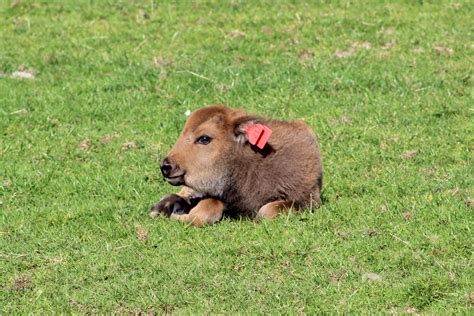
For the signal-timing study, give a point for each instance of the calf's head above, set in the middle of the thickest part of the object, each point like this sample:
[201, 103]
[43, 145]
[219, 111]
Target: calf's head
[202, 156]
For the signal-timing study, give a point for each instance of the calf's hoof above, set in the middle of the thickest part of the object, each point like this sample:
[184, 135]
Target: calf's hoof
[171, 204]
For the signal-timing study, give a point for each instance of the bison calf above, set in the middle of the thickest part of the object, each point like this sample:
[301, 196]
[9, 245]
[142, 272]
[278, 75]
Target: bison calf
[239, 164]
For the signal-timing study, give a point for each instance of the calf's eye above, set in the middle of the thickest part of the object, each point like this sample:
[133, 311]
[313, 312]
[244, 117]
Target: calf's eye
[203, 140]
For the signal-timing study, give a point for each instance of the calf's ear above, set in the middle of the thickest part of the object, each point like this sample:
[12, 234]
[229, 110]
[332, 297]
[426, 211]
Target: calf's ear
[240, 128]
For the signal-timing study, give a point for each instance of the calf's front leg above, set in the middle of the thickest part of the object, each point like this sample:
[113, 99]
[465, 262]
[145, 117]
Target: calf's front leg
[207, 211]
[180, 203]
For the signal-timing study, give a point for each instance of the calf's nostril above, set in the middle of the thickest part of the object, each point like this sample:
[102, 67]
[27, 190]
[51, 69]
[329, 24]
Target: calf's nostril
[166, 167]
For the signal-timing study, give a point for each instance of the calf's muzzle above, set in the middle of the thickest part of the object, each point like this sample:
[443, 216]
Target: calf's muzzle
[171, 172]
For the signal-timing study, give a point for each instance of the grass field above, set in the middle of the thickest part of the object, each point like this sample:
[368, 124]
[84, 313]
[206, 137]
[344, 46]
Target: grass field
[93, 95]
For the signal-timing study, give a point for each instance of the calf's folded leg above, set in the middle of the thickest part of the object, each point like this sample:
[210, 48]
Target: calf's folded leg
[272, 209]
[207, 211]
[179, 203]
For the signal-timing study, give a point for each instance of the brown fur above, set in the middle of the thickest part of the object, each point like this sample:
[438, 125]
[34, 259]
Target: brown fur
[286, 173]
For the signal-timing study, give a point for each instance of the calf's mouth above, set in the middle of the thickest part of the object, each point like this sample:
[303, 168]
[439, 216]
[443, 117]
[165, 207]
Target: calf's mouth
[175, 180]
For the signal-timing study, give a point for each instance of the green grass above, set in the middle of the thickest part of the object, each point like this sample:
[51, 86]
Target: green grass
[74, 232]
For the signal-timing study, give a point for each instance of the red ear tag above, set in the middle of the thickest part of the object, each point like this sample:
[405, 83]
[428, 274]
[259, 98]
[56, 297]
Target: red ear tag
[258, 134]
